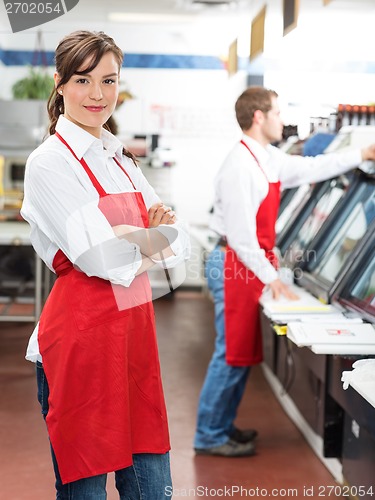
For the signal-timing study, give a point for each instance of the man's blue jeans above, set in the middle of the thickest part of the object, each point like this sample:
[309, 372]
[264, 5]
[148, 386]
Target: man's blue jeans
[224, 385]
[148, 478]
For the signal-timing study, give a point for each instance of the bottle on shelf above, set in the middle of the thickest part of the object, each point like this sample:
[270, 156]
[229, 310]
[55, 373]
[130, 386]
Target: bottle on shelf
[355, 116]
[363, 120]
[347, 116]
[340, 116]
[371, 115]
[332, 122]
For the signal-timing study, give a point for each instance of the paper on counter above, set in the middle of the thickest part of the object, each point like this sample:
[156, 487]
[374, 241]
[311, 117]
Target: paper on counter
[303, 334]
[335, 316]
[306, 304]
[343, 349]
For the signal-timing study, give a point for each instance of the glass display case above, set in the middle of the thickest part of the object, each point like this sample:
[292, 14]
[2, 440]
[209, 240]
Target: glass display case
[339, 239]
[355, 290]
[363, 293]
[292, 217]
[294, 214]
[290, 202]
[300, 232]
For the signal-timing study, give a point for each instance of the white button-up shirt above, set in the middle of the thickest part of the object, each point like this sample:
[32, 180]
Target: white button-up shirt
[61, 206]
[240, 188]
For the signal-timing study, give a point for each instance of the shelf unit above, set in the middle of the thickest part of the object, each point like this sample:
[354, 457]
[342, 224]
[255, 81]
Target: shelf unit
[22, 299]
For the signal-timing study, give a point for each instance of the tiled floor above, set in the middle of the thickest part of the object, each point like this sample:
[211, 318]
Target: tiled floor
[185, 328]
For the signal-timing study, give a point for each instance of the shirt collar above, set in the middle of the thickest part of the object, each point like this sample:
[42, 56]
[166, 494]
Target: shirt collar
[81, 141]
[111, 143]
[258, 150]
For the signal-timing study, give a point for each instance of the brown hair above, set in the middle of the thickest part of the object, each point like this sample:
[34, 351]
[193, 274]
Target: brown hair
[71, 53]
[251, 100]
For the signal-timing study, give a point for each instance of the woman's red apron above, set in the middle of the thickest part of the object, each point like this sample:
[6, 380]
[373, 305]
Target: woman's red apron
[99, 350]
[242, 289]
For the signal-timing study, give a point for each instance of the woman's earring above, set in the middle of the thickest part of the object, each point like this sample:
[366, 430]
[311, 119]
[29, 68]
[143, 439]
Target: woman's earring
[60, 92]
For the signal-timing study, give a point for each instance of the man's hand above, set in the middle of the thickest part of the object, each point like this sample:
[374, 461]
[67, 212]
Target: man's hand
[160, 214]
[279, 288]
[368, 153]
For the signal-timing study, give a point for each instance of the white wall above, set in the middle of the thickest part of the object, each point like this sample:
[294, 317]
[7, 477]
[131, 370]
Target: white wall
[328, 59]
[193, 112]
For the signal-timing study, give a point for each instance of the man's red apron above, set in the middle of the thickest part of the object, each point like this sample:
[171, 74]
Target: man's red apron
[101, 360]
[242, 289]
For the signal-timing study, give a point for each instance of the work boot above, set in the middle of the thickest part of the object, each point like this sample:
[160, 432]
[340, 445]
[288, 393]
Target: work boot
[243, 436]
[229, 449]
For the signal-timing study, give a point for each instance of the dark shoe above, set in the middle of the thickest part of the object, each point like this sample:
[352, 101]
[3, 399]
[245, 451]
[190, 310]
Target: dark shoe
[243, 436]
[229, 449]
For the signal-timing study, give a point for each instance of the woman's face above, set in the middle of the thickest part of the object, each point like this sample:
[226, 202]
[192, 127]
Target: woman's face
[89, 100]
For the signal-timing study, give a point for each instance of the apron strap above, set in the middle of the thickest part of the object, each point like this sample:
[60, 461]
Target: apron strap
[88, 171]
[125, 172]
[255, 158]
[93, 179]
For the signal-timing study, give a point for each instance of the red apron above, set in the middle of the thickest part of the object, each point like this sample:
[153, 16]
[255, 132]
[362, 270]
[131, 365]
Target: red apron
[242, 289]
[99, 350]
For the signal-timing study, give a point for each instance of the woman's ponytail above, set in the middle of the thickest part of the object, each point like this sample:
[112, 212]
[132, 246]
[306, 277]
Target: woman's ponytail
[55, 108]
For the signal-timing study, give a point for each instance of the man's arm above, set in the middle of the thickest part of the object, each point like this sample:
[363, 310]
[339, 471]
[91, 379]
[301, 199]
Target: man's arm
[295, 170]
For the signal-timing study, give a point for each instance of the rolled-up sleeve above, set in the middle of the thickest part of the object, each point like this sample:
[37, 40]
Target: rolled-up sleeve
[179, 241]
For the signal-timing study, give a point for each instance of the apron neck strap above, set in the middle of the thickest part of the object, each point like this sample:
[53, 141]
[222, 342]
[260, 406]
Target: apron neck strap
[255, 158]
[125, 172]
[93, 179]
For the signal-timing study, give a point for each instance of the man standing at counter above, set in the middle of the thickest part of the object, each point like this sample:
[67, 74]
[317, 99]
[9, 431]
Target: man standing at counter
[246, 203]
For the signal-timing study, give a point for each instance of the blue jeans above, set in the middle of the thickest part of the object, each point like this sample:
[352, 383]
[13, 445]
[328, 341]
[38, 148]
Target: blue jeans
[149, 477]
[224, 385]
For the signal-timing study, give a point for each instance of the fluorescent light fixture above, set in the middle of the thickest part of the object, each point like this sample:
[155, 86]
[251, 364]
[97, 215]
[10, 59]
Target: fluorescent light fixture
[142, 17]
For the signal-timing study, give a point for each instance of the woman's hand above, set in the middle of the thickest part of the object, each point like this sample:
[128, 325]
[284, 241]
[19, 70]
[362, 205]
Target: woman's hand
[160, 214]
[152, 243]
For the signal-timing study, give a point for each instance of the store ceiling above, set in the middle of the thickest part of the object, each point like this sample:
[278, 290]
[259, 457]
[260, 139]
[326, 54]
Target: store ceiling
[180, 6]
[96, 9]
